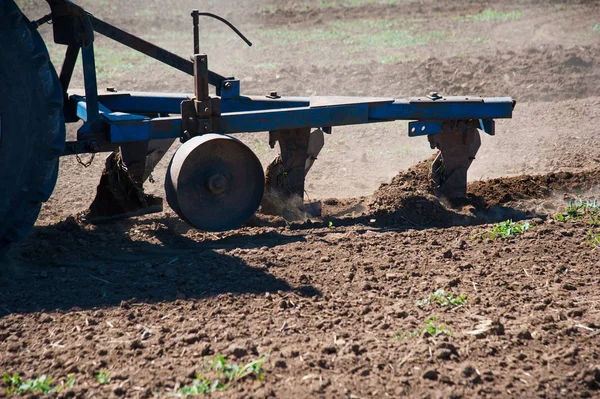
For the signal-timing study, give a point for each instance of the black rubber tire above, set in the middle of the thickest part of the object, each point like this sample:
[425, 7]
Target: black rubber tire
[32, 134]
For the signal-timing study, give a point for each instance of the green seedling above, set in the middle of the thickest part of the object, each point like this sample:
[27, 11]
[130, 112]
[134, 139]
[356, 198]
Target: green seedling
[40, 385]
[443, 299]
[221, 374]
[593, 239]
[103, 377]
[330, 224]
[504, 229]
[431, 329]
[580, 209]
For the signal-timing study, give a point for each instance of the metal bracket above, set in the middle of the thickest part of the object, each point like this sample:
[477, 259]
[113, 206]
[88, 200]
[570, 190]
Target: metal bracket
[201, 114]
[230, 89]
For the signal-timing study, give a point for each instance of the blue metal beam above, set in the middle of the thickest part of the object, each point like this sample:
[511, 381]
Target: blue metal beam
[259, 113]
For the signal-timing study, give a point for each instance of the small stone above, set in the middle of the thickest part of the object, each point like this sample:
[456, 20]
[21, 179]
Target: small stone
[13, 347]
[447, 254]
[329, 350]
[191, 339]
[432, 375]
[468, 371]
[524, 334]
[205, 350]
[45, 318]
[444, 354]
[569, 287]
[136, 344]
[325, 259]
[237, 351]
[465, 266]
[281, 364]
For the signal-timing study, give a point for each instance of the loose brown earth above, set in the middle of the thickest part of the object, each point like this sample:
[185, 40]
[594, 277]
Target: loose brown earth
[328, 300]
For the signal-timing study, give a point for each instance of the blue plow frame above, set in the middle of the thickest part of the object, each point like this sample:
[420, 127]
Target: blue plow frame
[240, 114]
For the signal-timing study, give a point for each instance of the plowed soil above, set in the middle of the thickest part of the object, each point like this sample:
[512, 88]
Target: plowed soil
[336, 304]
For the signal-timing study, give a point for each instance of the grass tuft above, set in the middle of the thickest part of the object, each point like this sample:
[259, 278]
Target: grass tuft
[492, 15]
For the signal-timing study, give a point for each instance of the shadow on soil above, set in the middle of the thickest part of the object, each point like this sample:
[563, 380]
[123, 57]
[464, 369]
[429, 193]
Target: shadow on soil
[65, 266]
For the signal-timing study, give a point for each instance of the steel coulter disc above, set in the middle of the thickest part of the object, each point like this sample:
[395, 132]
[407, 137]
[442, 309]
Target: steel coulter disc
[214, 182]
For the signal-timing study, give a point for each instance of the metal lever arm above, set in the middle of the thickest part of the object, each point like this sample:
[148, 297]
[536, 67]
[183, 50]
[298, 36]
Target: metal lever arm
[226, 22]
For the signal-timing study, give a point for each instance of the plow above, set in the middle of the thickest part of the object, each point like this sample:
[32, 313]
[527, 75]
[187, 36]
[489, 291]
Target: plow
[214, 182]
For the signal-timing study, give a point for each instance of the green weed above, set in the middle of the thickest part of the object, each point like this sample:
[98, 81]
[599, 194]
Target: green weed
[443, 299]
[431, 329]
[42, 384]
[581, 209]
[593, 239]
[220, 375]
[596, 27]
[504, 229]
[492, 15]
[103, 377]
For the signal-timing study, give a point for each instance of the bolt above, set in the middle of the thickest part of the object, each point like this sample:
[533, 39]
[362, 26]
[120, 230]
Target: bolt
[228, 85]
[274, 94]
[206, 109]
[206, 127]
[111, 89]
[191, 119]
[433, 94]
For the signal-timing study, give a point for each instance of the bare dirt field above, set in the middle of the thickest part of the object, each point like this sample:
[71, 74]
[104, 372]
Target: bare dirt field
[339, 306]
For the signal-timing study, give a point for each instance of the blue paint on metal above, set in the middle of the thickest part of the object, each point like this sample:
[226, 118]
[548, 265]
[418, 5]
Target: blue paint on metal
[261, 113]
[488, 126]
[453, 108]
[229, 89]
[423, 128]
[159, 103]
[262, 103]
[278, 119]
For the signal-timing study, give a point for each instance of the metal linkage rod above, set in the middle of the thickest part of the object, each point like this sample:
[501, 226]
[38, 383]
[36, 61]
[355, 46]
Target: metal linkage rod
[151, 50]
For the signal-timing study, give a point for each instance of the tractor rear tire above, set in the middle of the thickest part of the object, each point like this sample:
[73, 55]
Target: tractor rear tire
[32, 127]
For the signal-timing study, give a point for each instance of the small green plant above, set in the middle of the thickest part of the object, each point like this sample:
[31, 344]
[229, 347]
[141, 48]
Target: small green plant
[330, 224]
[443, 299]
[580, 209]
[593, 239]
[42, 384]
[103, 377]
[504, 229]
[431, 329]
[492, 15]
[221, 374]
